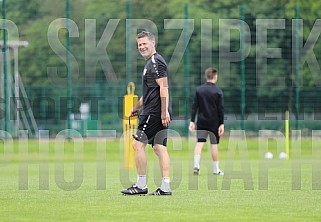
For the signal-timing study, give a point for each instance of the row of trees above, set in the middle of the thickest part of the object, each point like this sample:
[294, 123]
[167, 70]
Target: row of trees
[104, 22]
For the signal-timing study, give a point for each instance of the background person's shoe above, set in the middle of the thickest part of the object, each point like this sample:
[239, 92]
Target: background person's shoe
[219, 172]
[196, 171]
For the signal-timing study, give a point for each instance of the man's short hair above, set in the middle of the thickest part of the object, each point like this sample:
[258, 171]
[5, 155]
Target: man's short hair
[147, 34]
[210, 73]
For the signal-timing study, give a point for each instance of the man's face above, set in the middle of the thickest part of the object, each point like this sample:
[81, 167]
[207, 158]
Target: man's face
[146, 47]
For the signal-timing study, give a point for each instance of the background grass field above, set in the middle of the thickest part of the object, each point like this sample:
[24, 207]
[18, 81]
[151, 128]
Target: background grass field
[203, 198]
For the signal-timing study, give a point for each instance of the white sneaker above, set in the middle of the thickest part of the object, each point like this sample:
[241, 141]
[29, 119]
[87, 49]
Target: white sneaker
[196, 171]
[219, 172]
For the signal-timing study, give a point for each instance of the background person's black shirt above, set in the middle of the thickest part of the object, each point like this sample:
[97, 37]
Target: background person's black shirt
[208, 104]
[155, 68]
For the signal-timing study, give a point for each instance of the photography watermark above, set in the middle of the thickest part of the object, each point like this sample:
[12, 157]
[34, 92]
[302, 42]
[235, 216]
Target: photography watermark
[57, 108]
[237, 154]
[97, 51]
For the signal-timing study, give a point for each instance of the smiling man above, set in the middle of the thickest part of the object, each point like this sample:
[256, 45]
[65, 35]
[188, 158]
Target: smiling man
[154, 118]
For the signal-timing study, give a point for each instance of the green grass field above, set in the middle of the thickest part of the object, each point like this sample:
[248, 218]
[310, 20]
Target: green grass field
[63, 191]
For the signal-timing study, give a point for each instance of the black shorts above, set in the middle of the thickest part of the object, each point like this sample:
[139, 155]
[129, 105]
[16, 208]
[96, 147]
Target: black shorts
[202, 134]
[151, 130]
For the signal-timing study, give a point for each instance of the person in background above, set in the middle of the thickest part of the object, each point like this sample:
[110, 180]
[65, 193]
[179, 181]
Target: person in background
[208, 106]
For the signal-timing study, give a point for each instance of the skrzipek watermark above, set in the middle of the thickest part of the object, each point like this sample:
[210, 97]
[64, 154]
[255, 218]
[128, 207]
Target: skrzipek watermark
[227, 55]
[96, 47]
[252, 171]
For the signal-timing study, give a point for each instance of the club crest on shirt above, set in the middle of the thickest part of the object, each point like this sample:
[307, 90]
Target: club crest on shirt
[144, 72]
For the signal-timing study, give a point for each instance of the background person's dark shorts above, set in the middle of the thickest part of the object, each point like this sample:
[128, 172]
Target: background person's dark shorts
[202, 134]
[151, 130]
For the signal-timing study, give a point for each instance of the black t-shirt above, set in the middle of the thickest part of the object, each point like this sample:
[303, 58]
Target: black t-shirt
[208, 104]
[155, 68]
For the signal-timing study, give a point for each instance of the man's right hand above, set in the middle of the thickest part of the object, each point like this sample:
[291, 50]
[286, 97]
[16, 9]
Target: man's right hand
[191, 126]
[133, 113]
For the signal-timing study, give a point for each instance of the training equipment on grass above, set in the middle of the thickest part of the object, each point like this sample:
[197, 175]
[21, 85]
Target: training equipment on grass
[282, 156]
[15, 105]
[268, 156]
[129, 125]
[287, 137]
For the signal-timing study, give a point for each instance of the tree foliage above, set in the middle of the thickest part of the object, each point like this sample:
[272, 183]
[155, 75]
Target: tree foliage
[33, 18]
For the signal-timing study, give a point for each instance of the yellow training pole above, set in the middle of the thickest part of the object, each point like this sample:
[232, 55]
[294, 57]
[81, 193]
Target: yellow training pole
[129, 125]
[287, 138]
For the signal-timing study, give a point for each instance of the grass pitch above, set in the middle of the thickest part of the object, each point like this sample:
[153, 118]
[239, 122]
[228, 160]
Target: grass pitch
[82, 180]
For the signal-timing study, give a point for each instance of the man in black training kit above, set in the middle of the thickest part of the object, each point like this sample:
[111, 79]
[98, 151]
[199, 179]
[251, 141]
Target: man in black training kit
[154, 118]
[208, 104]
